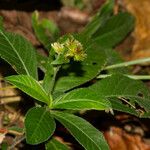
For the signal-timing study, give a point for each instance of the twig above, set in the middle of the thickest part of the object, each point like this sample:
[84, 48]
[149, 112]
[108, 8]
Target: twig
[7, 87]
[123, 99]
[16, 142]
[53, 79]
[10, 100]
[1, 79]
[14, 132]
[136, 77]
[129, 63]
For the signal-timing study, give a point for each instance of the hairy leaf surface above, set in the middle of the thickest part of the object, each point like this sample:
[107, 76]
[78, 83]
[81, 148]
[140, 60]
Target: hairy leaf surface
[88, 136]
[54, 144]
[45, 30]
[39, 125]
[82, 99]
[30, 86]
[99, 19]
[124, 89]
[77, 73]
[114, 30]
[19, 53]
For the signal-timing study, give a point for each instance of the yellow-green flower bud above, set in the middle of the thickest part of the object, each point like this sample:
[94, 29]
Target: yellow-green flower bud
[58, 47]
[75, 49]
[70, 48]
[80, 56]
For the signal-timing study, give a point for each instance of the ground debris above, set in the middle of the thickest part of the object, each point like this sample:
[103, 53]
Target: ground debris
[118, 139]
[140, 9]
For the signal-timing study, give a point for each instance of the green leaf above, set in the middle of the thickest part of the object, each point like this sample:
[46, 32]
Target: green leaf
[19, 53]
[45, 30]
[99, 19]
[30, 86]
[42, 62]
[39, 125]
[77, 73]
[16, 129]
[145, 115]
[114, 58]
[79, 4]
[119, 106]
[125, 89]
[73, 3]
[4, 146]
[114, 30]
[47, 81]
[82, 99]
[1, 23]
[88, 136]
[54, 144]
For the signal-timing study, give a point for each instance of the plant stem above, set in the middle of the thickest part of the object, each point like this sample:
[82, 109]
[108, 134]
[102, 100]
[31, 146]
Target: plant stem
[1, 79]
[136, 77]
[129, 63]
[16, 142]
[8, 100]
[123, 99]
[8, 87]
[56, 69]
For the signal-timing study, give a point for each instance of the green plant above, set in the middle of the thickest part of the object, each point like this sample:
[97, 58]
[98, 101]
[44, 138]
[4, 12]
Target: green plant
[74, 3]
[74, 60]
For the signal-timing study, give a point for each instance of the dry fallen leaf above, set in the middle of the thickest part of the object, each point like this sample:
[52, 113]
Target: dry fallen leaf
[140, 9]
[2, 136]
[118, 139]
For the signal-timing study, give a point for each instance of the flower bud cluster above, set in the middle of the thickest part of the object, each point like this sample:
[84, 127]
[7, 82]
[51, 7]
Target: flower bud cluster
[70, 48]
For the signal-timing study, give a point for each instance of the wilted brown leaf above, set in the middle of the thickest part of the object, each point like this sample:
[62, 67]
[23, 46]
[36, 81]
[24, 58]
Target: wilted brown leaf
[140, 9]
[118, 139]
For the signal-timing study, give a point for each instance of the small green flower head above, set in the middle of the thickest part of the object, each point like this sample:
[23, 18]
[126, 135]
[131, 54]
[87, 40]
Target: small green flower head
[75, 49]
[58, 47]
[70, 48]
